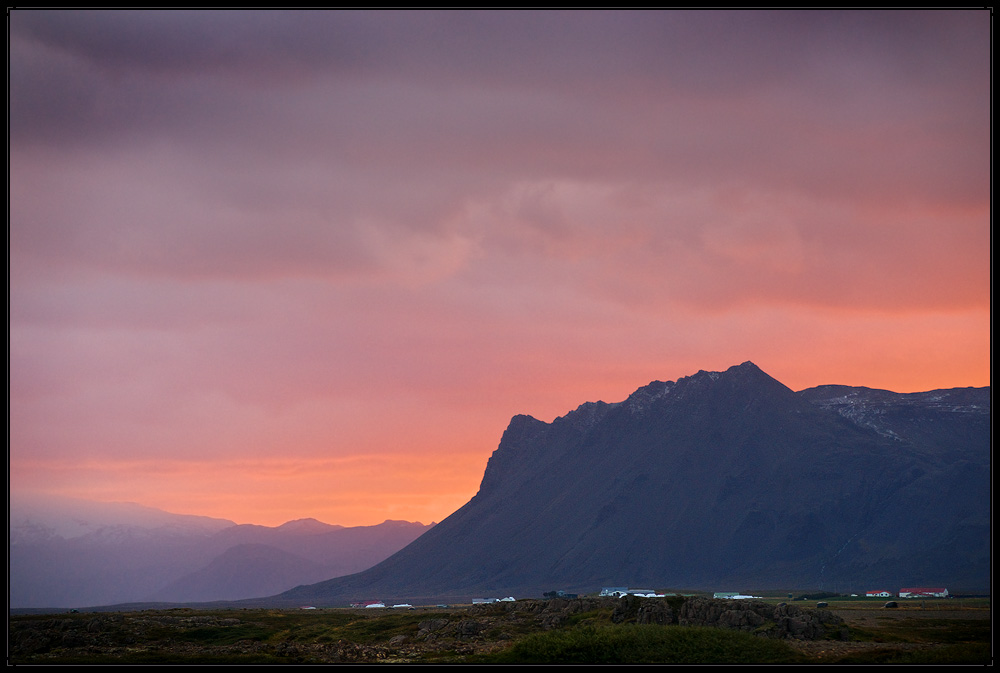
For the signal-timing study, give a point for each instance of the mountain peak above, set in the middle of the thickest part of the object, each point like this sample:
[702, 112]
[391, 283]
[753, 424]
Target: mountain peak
[736, 377]
[745, 369]
[308, 525]
[742, 387]
[589, 413]
[746, 373]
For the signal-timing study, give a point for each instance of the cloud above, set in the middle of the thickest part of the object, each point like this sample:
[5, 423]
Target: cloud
[325, 233]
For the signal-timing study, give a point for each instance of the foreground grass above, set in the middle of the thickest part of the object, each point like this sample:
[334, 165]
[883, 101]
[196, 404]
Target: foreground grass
[644, 644]
[185, 636]
[978, 654]
[915, 630]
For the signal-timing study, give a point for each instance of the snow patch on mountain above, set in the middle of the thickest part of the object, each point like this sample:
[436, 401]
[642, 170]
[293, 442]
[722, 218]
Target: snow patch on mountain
[860, 411]
[869, 407]
[639, 402]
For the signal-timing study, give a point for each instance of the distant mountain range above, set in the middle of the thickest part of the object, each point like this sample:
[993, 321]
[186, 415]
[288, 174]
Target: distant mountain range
[74, 553]
[718, 481]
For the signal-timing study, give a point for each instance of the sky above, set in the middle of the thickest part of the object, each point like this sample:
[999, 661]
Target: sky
[271, 265]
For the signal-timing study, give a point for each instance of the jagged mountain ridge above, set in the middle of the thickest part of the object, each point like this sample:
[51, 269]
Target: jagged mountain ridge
[719, 479]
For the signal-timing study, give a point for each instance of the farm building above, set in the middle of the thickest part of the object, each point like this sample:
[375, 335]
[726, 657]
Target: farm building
[732, 596]
[881, 593]
[923, 592]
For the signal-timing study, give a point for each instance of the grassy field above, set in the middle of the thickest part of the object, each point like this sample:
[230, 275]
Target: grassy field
[943, 631]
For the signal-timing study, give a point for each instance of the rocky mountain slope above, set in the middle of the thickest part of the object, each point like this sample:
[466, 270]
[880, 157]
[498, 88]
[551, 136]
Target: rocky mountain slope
[720, 480]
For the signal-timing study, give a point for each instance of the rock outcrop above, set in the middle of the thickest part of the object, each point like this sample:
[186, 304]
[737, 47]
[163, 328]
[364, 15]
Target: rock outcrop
[756, 617]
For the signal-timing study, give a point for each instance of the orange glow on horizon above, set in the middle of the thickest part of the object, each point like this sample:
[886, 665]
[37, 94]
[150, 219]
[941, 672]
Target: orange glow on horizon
[425, 488]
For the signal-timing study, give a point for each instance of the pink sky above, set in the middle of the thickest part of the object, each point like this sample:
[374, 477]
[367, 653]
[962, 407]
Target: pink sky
[268, 265]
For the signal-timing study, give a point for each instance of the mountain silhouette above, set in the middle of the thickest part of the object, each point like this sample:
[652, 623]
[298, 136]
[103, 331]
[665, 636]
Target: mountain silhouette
[69, 553]
[720, 480]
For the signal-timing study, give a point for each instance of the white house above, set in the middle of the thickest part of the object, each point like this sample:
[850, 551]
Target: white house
[880, 593]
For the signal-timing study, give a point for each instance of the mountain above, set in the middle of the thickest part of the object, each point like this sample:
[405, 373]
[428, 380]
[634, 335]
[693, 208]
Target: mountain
[240, 572]
[67, 552]
[260, 561]
[721, 480]
[73, 553]
[36, 518]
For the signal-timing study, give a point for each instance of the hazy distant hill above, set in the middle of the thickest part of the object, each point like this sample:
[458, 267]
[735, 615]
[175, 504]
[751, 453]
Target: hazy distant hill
[240, 572]
[75, 553]
[36, 518]
[721, 480]
[260, 561]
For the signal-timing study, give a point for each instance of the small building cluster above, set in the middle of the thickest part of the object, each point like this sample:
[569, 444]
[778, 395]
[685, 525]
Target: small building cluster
[559, 594]
[731, 595]
[625, 591]
[912, 592]
[923, 592]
